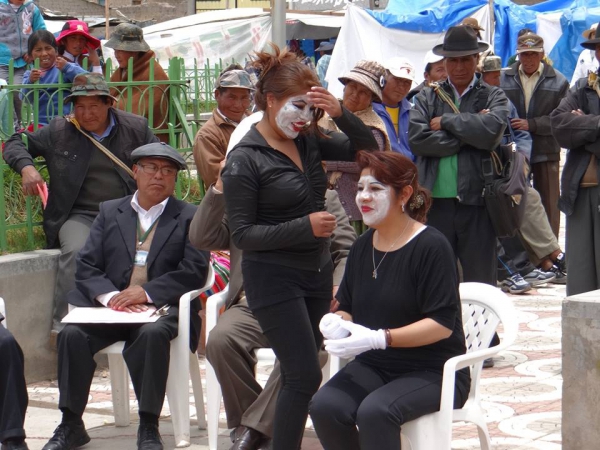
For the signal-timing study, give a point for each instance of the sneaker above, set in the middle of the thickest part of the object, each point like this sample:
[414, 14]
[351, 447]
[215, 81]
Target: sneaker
[68, 436]
[538, 277]
[515, 284]
[560, 274]
[561, 263]
[488, 363]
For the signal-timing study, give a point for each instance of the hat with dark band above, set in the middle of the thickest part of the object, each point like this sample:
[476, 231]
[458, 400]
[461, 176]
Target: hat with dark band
[159, 150]
[460, 41]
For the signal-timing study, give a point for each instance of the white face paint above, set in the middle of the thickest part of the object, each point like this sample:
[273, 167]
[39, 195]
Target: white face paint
[373, 198]
[294, 116]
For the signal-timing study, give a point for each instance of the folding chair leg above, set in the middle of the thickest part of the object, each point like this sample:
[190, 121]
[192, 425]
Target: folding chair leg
[197, 388]
[119, 384]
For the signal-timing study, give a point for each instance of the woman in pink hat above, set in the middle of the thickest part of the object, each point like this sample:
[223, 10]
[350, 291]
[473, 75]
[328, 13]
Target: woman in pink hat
[75, 43]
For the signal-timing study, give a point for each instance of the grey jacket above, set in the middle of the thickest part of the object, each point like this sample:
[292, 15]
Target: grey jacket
[470, 134]
[67, 154]
[209, 230]
[550, 89]
[579, 134]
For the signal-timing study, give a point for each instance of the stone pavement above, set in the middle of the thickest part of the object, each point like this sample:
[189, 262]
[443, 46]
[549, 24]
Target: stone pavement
[522, 394]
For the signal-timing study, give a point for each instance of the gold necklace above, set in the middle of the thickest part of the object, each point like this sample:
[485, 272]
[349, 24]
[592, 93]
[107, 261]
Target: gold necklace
[385, 254]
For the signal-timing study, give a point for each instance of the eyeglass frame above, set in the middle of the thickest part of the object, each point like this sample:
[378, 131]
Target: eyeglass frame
[161, 168]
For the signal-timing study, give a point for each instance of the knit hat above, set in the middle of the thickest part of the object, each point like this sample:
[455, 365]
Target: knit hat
[367, 73]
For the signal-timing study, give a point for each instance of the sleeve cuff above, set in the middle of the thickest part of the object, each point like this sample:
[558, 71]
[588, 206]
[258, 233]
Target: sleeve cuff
[105, 298]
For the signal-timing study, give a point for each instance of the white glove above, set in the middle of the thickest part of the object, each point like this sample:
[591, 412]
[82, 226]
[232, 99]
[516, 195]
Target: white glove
[330, 327]
[360, 340]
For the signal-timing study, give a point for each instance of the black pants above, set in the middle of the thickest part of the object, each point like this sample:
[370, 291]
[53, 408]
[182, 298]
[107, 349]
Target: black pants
[471, 235]
[146, 352]
[378, 402]
[13, 391]
[292, 328]
[512, 258]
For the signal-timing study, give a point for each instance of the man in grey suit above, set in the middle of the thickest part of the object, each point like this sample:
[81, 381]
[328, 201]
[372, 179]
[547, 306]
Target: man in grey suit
[230, 348]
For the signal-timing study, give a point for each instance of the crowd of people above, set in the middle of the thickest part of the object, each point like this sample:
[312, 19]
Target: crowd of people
[349, 223]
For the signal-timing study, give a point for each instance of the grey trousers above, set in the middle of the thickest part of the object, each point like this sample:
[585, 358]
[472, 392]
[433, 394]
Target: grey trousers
[583, 243]
[536, 234]
[230, 350]
[72, 237]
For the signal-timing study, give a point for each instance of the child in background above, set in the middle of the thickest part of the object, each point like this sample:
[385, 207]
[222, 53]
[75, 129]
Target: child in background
[75, 43]
[42, 45]
[18, 19]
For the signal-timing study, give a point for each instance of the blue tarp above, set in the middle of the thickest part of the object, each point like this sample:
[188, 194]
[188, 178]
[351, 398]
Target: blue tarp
[436, 16]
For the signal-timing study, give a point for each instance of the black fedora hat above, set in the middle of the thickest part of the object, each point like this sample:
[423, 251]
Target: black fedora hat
[460, 41]
[591, 43]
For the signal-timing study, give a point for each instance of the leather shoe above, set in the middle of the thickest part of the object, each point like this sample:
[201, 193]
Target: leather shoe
[12, 445]
[149, 437]
[246, 439]
[68, 436]
[266, 444]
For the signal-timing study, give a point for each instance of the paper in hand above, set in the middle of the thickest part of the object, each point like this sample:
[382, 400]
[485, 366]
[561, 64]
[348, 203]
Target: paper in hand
[43, 193]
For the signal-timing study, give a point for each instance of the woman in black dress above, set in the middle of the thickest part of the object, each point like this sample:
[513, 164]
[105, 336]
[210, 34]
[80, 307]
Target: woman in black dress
[274, 187]
[399, 315]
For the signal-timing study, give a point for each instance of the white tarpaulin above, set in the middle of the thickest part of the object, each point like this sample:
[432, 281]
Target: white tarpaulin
[362, 37]
[227, 35]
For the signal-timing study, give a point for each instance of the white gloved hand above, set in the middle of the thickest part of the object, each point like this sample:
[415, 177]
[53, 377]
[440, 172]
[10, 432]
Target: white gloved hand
[330, 327]
[360, 340]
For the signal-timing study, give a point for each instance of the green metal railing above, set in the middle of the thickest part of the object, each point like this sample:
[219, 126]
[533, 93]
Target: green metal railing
[182, 99]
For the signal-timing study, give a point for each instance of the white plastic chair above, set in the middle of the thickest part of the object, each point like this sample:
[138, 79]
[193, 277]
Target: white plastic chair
[484, 307]
[3, 311]
[213, 389]
[182, 365]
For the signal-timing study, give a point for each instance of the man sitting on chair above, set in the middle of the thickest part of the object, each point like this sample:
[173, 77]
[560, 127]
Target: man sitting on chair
[138, 254]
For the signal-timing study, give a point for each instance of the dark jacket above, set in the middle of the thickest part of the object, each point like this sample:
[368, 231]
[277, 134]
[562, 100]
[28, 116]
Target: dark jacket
[547, 94]
[67, 153]
[174, 266]
[580, 134]
[210, 231]
[268, 199]
[470, 134]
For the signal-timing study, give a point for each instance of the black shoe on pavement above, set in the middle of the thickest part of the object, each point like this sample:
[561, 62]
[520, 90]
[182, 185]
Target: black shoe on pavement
[68, 436]
[246, 438]
[15, 445]
[149, 437]
[488, 363]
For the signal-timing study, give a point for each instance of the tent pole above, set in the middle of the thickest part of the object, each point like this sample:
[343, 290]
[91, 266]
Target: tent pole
[492, 23]
[278, 21]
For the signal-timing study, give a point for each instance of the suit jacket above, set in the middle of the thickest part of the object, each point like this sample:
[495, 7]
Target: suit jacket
[174, 266]
[210, 231]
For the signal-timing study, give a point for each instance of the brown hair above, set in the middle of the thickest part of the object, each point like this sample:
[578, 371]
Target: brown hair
[397, 171]
[283, 74]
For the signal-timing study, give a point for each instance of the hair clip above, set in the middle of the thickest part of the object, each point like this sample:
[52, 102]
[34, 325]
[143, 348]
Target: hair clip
[417, 201]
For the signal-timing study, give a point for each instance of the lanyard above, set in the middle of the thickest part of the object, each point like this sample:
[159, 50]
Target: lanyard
[143, 236]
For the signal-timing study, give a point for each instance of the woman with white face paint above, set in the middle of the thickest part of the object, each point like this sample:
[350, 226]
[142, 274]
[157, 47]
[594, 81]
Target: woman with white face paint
[274, 187]
[399, 316]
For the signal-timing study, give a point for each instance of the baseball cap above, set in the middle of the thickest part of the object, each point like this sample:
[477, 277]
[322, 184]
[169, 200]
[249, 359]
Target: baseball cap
[400, 67]
[530, 42]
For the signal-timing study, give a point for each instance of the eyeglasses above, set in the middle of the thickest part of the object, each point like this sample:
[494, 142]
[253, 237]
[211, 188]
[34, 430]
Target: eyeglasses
[151, 169]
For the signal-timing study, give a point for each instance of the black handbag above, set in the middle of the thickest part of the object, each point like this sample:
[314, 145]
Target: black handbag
[505, 189]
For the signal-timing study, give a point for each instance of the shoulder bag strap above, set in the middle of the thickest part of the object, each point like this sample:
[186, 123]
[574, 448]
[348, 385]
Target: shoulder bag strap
[104, 150]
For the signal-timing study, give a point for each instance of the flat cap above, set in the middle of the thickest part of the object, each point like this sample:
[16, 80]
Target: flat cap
[159, 150]
[236, 78]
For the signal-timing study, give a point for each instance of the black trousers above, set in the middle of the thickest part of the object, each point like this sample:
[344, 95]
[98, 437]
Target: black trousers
[512, 258]
[13, 391]
[376, 402]
[471, 235]
[146, 352]
[292, 328]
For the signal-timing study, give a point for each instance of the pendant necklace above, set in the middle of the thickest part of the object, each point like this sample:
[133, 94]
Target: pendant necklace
[385, 254]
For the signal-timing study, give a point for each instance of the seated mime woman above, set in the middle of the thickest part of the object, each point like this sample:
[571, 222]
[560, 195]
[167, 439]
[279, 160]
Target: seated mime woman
[399, 315]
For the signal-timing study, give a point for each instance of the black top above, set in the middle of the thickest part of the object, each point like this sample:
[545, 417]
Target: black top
[268, 198]
[415, 282]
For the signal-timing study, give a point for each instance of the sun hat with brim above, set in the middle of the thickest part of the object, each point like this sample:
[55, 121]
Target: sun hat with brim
[367, 73]
[72, 27]
[460, 41]
[89, 84]
[473, 23]
[591, 43]
[128, 37]
[159, 150]
[588, 34]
